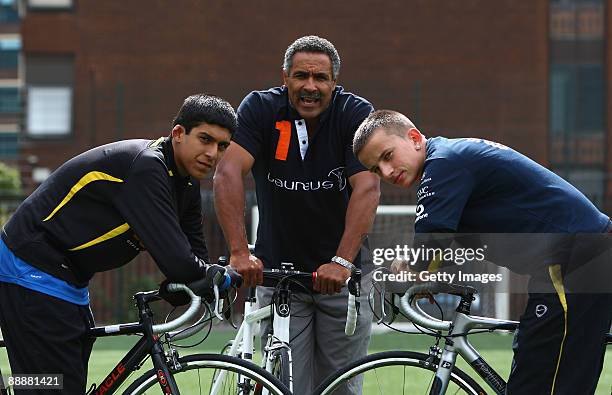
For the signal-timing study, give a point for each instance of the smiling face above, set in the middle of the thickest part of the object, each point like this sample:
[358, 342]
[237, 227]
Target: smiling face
[198, 152]
[310, 83]
[398, 160]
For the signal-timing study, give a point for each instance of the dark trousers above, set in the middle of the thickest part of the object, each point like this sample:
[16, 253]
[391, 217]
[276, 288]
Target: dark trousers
[560, 344]
[44, 334]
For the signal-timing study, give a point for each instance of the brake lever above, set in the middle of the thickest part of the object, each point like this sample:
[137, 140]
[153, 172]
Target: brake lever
[383, 313]
[217, 300]
[354, 286]
[229, 313]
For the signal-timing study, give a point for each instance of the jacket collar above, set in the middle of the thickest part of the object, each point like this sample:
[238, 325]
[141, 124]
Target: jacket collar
[165, 146]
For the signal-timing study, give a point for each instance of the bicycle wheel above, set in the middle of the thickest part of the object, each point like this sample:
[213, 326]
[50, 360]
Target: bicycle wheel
[199, 372]
[280, 366]
[397, 372]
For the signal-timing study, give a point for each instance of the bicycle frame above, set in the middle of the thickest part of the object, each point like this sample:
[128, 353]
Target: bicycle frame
[456, 340]
[280, 326]
[244, 340]
[461, 345]
[147, 345]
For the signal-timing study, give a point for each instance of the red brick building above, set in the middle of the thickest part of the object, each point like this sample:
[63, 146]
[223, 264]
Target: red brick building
[468, 68]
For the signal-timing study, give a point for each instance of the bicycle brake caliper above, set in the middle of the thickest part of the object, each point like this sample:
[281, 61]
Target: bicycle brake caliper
[172, 357]
[434, 355]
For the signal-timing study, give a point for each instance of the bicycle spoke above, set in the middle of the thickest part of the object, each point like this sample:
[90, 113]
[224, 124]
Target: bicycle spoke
[433, 376]
[396, 373]
[203, 373]
[379, 390]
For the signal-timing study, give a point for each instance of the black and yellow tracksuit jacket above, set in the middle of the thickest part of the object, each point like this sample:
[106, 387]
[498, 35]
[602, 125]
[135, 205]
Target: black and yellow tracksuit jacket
[100, 209]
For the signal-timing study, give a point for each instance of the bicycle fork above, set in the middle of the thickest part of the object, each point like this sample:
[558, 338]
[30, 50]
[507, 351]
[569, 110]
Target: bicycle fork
[243, 344]
[447, 362]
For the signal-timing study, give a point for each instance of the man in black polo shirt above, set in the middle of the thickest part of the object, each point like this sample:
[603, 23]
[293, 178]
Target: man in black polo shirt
[316, 201]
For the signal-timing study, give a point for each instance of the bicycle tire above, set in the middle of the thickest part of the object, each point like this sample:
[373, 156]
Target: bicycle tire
[207, 365]
[391, 364]
[280, 366]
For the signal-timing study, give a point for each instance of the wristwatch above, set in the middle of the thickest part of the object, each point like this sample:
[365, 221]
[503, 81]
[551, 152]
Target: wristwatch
[344, 263]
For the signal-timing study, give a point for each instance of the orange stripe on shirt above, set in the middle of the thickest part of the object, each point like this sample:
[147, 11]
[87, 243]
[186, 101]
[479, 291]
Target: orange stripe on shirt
[282, 148]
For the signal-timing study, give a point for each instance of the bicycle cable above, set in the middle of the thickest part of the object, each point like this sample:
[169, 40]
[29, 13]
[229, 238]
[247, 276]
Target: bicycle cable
[396, 310]
[277, 288]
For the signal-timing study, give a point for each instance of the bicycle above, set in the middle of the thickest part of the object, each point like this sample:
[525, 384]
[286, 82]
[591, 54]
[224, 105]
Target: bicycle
[170, 370]
[276, 356]
[438, 365]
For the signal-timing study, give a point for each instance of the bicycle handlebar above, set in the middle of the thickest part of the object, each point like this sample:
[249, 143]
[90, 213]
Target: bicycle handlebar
[353, 284]
[194, 306]
[351, 310]
[417, 315]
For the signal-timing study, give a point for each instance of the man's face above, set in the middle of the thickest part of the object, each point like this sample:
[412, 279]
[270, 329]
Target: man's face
[310, 83]
[394, 158]
[198, 152]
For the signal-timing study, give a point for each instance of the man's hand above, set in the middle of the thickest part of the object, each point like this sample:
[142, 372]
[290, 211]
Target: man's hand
[249, 267]
[399, 266]
[330, 278]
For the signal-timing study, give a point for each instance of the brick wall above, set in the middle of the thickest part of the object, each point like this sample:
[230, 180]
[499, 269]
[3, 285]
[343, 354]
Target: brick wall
[457, 68]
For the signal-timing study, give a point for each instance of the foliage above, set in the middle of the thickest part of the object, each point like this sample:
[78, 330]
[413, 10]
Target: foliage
[10, 182]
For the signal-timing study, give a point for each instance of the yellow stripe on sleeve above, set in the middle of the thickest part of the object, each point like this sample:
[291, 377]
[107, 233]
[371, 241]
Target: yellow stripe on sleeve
[86, 179]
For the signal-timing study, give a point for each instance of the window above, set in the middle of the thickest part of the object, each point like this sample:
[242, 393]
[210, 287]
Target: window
[49, 84]
[559, 101]
[9, 144]
[9, 52]
[577, 98]
[49, 110]
[590, 98]
[9, 100]
[8, 11]
[50, 4]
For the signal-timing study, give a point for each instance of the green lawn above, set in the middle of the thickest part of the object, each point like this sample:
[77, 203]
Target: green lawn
[494, 348]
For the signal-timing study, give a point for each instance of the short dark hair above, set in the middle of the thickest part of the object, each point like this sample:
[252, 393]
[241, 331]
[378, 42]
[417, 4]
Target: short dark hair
[313, 44]
[392, 122]
[200, 108]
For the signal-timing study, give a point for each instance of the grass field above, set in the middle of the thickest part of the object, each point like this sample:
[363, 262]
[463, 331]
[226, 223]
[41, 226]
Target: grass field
[495, 348]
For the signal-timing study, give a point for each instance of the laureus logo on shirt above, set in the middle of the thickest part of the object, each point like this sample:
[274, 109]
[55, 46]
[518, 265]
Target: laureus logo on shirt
[338, 172]
[334, 177]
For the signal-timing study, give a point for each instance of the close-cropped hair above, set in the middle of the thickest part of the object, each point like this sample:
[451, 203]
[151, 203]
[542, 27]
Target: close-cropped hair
[202, 108]
[392, 122]
[313, 44]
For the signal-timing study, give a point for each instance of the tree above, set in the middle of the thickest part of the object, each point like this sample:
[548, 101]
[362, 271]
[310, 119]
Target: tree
[10, 182]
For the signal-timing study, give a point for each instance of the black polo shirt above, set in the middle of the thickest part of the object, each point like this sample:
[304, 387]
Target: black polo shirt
[301, 182]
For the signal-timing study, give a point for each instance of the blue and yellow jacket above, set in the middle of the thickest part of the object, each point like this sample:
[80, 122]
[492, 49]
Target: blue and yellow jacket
[101, 208]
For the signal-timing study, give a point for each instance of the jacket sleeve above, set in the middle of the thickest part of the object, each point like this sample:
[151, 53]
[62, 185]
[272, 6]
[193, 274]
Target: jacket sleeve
[191, 223]
[147, 204]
